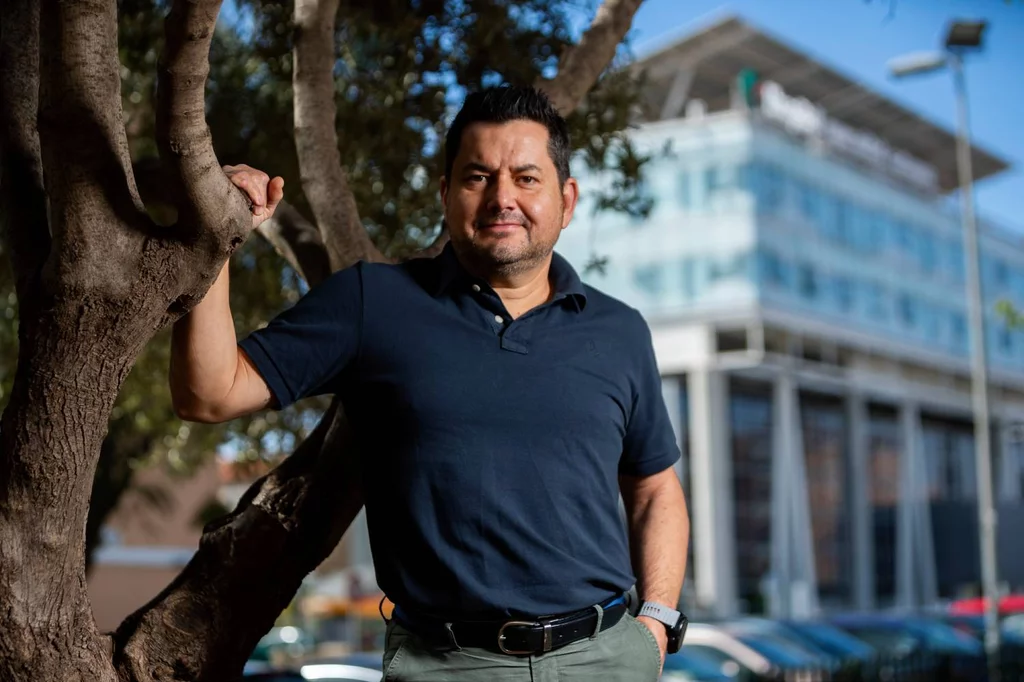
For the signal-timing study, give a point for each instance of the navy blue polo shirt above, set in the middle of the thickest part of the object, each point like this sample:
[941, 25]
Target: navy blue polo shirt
[491, 447]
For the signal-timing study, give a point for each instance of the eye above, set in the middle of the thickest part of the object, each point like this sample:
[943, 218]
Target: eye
[476, 177]
[527, 179]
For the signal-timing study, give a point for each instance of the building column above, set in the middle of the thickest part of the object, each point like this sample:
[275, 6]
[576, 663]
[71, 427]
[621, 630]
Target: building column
[1010, 455]
[916, 582]
[794, 579]
[861, 508]
[711, 492]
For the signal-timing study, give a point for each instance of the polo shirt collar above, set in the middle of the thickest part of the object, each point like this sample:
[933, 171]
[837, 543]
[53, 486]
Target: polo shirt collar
[564, 279]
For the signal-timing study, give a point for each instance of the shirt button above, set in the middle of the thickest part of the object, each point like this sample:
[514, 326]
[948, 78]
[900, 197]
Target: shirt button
[499, 319]
[476, 288]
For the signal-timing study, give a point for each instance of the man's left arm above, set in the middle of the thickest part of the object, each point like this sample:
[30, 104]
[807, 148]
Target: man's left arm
[659, 532]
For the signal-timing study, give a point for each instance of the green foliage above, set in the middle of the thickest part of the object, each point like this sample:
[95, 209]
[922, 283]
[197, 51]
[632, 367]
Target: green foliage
[1012, 314]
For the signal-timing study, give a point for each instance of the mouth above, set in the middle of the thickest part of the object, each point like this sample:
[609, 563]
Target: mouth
[499, 226]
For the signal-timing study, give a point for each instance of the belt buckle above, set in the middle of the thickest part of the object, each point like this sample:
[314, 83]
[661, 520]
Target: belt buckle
[529, 624]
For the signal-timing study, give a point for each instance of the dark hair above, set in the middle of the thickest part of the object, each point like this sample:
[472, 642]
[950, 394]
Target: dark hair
[503, 105]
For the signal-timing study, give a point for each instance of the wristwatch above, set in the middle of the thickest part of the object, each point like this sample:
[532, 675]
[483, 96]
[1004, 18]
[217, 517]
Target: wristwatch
[674, 621]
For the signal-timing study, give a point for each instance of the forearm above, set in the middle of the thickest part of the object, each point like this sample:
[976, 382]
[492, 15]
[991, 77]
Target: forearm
[204, 351]
[659, 535]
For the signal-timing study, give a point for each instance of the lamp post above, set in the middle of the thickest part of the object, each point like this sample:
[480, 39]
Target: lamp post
[963, 37]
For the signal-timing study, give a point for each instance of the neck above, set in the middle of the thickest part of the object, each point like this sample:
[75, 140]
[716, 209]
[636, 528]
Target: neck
[522, 289]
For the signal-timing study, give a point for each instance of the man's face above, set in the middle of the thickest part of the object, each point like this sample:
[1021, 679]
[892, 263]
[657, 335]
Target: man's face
[504, 204]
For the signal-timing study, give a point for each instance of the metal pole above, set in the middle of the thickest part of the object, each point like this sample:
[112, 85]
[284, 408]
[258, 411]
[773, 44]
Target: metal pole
[979, 376]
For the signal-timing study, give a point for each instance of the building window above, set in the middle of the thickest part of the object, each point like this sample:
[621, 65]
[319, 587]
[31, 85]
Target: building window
[884, 477]
[958, 329]
[685, 194]
[927, 253]
[807, 281]
[810, 203]
[1006, 341]
[906, 308]
[728, 267]
[825, 437]
[766, 183]
[649, 278]
[878, 305]
[949, 458]
[773, 271]
[844, 293]
[750, 416]
[689, 272]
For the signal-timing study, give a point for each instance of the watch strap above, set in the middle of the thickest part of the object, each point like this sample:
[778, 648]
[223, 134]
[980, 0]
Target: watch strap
[659, 612]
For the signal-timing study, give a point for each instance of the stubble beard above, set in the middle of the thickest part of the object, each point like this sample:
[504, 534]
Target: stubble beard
[505, 259]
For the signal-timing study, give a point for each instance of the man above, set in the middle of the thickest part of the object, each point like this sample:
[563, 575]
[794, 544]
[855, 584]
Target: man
[502, 405]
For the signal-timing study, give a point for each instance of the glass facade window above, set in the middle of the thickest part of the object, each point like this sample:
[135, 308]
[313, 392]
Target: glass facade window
[949, 457]
[750, 417]
[958, 329]
[844, 294]
[772, 270]
[928, 253]
[766, 183]
[906, 308]
[649, 277]
[883, 481]
[684, 188]
[825, 438]
[878, 306]
[807, 281]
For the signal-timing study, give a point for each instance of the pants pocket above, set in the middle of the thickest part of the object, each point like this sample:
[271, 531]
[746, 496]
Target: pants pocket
[648, 646]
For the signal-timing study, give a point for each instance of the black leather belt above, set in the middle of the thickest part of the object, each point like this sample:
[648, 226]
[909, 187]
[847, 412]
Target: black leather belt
[517, 637]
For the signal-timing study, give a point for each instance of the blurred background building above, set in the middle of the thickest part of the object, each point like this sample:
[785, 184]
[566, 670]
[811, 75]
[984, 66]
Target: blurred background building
[803, 273]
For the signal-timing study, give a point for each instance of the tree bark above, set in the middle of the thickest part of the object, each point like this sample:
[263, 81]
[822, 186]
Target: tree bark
[96, 278]
[323, 179]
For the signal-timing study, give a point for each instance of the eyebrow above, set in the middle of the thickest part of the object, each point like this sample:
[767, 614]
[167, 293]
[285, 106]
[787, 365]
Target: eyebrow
[476, 166]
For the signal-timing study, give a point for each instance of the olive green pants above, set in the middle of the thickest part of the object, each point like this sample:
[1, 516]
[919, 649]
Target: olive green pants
[626, 652]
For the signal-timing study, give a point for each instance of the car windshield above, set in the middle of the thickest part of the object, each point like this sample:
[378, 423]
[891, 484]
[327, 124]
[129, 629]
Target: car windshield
[777, 650]
[887, 641]
[945, 637]
[833, 640]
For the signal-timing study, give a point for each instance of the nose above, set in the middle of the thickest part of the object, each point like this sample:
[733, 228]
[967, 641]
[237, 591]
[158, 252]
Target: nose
[501, 194]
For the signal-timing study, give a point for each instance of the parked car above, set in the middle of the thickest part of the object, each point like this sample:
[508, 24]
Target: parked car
[922, 648]
[356, 667]
[745, 663]
[694, 665]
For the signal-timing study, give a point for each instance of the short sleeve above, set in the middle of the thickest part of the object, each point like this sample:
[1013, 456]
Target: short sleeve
[650, 444]
[302, 351]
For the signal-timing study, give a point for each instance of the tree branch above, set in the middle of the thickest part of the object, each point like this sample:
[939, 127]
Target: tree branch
[22, 198]
[299, 242]
[249, 565]
[323, 179]
[208, 204]
[581, 66]
[87, 171]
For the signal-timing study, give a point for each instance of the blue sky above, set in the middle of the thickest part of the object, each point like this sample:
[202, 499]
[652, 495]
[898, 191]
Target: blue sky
[857, 38]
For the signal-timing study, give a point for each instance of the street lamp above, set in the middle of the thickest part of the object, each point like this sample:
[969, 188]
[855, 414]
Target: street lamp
[963, 37]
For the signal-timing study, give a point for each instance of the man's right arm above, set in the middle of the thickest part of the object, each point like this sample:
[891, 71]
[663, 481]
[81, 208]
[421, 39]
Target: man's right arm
[212, 379]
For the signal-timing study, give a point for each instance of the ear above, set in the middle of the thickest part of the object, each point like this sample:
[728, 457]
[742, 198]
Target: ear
[444, 191]
[570, 196]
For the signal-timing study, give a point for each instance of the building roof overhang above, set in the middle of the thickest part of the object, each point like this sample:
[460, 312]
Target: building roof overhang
[712, 58]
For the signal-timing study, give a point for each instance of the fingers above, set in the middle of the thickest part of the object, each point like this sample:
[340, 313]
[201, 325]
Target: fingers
[275, 192]
[255, 183]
